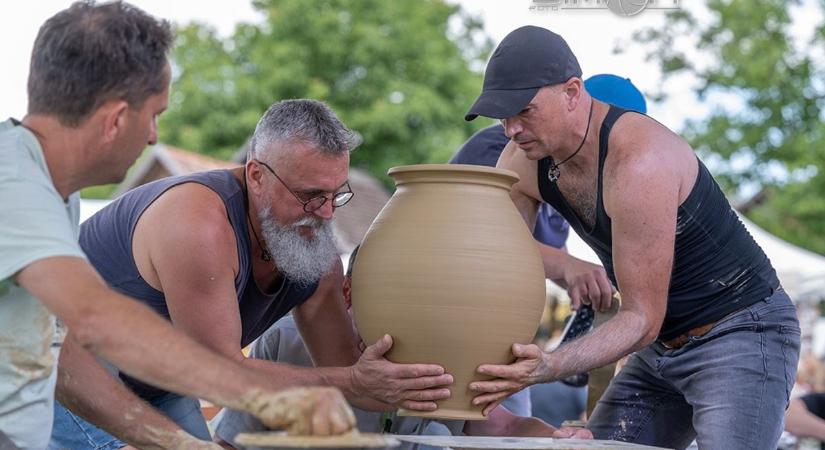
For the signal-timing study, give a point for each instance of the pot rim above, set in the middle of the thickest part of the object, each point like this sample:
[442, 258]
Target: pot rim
[492, 174]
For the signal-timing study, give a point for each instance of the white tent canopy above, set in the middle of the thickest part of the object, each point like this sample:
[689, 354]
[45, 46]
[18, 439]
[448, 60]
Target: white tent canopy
[801, 271]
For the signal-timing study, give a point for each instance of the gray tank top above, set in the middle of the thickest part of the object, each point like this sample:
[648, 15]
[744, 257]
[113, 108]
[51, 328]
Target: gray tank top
[107, 240]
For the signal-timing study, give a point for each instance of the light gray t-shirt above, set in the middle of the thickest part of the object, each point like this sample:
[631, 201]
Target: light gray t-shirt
[35, 223]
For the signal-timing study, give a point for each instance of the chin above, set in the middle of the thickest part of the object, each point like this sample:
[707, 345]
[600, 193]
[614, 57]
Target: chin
[533, 154]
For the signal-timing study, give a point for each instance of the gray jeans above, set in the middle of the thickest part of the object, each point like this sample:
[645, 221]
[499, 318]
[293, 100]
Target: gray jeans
[727, 389]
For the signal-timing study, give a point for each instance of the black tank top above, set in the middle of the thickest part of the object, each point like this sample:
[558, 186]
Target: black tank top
[717, 269]
[106, 238]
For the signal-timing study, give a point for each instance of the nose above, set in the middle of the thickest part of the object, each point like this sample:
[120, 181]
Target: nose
[326, 210]
[512, 127]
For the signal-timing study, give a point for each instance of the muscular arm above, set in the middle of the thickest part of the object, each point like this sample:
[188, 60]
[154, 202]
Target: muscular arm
[191, 252]
[107, 323]
[89, 390]
[641, 195]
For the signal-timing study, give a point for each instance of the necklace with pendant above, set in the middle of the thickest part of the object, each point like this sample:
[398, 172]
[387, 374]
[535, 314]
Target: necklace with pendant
[553, 173]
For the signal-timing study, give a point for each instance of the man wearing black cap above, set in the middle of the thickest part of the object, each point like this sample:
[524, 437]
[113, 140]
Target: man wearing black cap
[715, 336]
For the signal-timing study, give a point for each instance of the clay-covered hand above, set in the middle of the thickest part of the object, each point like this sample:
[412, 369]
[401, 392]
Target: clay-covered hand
[410, 386]
[573, 433]
[319, 411]
[509, 379]
[587, 284]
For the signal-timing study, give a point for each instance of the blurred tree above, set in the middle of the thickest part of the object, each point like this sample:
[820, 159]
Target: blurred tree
[400, 73]
[765, 85]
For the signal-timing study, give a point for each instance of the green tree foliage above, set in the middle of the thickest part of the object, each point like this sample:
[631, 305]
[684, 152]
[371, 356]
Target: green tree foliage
[767, 88]
[400, 73]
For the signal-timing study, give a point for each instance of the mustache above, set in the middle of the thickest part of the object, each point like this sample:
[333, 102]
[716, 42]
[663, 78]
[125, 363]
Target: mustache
[312, 222]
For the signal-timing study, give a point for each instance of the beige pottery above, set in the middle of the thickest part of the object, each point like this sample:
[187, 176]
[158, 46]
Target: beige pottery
[452, 273]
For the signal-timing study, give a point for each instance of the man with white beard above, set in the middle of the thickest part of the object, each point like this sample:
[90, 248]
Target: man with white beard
[223, 255]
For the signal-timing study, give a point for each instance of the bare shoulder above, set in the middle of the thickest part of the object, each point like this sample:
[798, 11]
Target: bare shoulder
[642, 148]
[184, 217]
[514, 159]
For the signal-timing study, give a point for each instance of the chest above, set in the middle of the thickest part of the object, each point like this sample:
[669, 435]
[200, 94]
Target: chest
[580, 191]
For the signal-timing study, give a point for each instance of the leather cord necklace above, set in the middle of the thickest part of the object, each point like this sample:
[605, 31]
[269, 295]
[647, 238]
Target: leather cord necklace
[265, 255]
[553, 172]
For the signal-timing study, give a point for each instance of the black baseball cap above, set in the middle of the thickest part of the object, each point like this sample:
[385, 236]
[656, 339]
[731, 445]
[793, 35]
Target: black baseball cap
[528, 59]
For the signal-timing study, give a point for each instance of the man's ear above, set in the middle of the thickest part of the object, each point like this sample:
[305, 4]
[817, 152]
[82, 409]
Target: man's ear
[573, 89]
[254, 174]
[113, 118]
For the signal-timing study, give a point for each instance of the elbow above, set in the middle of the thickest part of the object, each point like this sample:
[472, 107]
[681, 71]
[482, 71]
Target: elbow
[647, 339]
[95, 322]
[86, 329]
[649, 332]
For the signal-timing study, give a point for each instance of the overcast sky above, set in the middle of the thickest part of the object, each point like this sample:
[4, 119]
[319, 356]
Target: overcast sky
[592, 34]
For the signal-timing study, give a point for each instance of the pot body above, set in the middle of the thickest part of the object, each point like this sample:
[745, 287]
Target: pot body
[449, 270]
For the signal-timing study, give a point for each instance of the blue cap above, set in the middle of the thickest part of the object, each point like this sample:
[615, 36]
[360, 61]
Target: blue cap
[617, 91]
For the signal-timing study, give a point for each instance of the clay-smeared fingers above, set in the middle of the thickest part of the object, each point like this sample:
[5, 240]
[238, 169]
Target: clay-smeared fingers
[305, 411]
[321, 423]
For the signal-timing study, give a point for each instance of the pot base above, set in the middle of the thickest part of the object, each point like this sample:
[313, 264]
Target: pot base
[444, 413]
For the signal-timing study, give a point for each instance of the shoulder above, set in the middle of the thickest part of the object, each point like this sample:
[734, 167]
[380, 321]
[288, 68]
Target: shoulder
[191, 212]
[647, 161]
[641, 146]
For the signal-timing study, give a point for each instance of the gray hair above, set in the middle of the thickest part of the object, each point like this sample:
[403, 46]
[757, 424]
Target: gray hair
[308, 121]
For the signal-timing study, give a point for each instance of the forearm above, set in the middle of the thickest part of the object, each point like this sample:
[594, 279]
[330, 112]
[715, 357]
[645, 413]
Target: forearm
[626, 332]
[177, 363]
[554, 261]
[90, 391]
[339, 377]
[800, 422]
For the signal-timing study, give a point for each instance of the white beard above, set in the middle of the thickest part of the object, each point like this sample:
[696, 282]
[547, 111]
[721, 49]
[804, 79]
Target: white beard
[302, 260]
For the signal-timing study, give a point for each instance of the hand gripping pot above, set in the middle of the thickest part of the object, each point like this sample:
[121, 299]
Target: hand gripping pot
[452, 273]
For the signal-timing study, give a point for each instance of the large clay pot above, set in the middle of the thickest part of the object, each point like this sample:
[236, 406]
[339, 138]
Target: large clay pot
[452, 273]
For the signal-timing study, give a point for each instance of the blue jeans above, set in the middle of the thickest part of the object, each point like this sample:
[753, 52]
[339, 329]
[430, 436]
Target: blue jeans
[73, 433]
[728, 389]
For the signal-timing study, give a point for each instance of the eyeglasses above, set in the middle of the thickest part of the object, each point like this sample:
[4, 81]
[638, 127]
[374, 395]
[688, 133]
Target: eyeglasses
[339, 199]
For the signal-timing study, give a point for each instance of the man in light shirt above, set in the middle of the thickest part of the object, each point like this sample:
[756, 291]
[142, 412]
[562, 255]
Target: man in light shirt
[99, 78]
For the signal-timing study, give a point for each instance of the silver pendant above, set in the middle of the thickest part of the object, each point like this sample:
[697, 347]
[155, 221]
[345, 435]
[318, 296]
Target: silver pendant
[553, 173]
